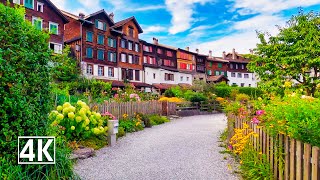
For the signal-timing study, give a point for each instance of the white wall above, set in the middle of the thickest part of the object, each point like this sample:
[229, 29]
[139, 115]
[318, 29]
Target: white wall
[251, 81]
[160, 76]
[95, 72]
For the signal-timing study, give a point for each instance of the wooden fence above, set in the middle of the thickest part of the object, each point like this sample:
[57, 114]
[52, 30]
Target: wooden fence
[145, 107]
[288, 158]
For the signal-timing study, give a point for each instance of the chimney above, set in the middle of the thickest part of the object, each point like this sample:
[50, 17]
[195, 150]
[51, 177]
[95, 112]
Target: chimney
[155, 41]
[233, 53]
[111, 16]
[197, 50]
[187, 48]
[210, 54]
[81, 15]
[224, 55]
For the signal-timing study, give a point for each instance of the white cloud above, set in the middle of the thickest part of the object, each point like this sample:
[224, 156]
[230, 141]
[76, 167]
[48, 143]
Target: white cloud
[182, 12]
[154, 29]
[245, 38]
[148, 8]
[61, 4]
[266, 6]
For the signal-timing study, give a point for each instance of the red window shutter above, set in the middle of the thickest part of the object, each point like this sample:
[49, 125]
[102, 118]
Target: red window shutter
[191, 66]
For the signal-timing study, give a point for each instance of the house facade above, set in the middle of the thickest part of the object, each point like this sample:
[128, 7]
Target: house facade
[200, 69]
[216, 69]
[44, 15]
[186, 65]
[94, 43]
[237, 72]
[129, 50]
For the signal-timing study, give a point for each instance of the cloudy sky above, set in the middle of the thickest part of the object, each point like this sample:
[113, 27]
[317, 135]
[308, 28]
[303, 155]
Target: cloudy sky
[217, 25]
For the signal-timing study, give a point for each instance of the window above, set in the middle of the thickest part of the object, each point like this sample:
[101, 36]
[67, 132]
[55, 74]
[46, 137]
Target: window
[239, 75]
[137, 75]
[130, 45]
[159, 51]
[89, 36]
[123, 57]
[110, 71]
[16, 1]
[136, 47]
[130, 59]
[90, 69]
[100, 25]
[77, 47]
[39, 6]
[181, 78]
[130, 74]
[29, 4]
[100, 71]
[225, 74]
[167, 62]
[246, 75]
[112, 42]
[249, 85]
[136, 60]
[236, 66]
[219, 65]
[112, 56]
[211, 64]
[89, 52]
[37, 22]
[145, 59]
[154, 75]
[188, 66]
[100, 54]
[217, 73]
[131, 32]
[209, 72]
[100, 39]
[168, 77]
[242, 84]
[53, 28]
[231, 66]
[123, 43]
[123, 74]
[169, 53]
[233, 74]
[242, 66]
[188, 78]
[57, 48]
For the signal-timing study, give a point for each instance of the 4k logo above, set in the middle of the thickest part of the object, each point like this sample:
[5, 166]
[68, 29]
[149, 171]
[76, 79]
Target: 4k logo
[36, 150]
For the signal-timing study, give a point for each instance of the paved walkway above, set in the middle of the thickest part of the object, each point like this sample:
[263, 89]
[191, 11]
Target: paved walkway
[185, 148]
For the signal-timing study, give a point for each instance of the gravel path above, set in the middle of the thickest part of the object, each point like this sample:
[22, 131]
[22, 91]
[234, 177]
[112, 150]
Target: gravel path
[185, 148]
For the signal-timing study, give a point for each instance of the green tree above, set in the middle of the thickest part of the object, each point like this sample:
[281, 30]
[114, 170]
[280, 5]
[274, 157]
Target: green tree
[64, 67]
[292, 55]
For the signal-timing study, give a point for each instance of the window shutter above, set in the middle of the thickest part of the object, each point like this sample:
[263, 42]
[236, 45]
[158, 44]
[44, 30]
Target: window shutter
[109, 56]
[39, 24]
[96, 23]
[114, 57]
[104, 26]
[114, 43]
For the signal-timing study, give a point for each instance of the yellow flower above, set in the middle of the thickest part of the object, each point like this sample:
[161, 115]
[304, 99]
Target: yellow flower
[138, 123]
[287, 84]
[66, 105]
[260, 153]
[78, 118]
[73, 128]
[125, 116]
[259, 98]
[59, 108]
[87, 128]
[71, 115]
[255, 135]
[60, 116]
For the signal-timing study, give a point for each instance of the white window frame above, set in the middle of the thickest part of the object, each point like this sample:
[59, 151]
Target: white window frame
[109, 74]
[37, 18]
[100, 23]
[59, 51]
[233, 74]
[130, 59]
[90, 71]
[53, 23]
[16, 1]
[123, 58]
[100, 70]
[41, 4]
[188, 66]
[136, 47]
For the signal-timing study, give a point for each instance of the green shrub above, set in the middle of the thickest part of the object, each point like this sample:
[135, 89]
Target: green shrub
[95, 142]
[121, 132]
[174, 92]
[156, 119]
[223, 91]
[198, 97]
[78, 122]
[242, 98]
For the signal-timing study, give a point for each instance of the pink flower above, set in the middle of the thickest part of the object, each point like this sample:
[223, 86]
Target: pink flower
[260, 112]
[230, 147]
[116, 96]
[255, 120]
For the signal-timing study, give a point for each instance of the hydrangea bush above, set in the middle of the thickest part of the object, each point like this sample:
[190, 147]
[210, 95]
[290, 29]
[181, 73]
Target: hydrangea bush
[78, 121]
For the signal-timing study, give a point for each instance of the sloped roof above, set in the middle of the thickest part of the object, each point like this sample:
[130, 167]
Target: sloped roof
[76, 17]
[140, 84]
[125, 21]
[219, 59]
[57, 10]
[163, 86]
[216, 78]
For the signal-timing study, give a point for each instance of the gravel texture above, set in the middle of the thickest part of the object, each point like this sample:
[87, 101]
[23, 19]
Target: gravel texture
[185, 148]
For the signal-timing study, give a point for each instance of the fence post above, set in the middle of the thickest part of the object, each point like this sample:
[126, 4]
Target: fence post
[315, 163]
[306, 161]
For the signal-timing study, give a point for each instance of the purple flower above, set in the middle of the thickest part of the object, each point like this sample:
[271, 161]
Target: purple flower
[260, 112]
[255, 120]
[230, 147]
